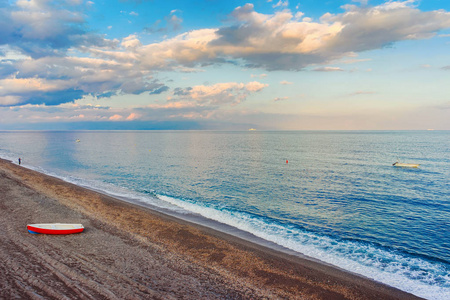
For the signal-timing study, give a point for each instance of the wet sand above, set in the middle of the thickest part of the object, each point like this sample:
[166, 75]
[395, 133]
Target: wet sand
[131, 252]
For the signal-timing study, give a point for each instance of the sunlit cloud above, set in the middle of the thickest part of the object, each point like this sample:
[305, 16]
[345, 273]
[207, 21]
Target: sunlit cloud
[285, 82]
[218, 94]
[116, 118]
[328, 69]
[133, 116]
[278, 41]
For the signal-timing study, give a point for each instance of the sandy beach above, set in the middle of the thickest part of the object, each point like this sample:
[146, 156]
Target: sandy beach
[131, 252]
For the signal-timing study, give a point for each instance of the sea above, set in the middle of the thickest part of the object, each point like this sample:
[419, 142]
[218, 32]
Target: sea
[332, 196]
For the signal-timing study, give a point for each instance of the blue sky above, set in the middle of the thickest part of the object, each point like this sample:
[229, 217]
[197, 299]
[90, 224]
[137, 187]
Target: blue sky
[269, 65]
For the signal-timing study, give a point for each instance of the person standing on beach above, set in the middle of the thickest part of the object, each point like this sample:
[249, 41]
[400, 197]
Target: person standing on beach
[20, 160]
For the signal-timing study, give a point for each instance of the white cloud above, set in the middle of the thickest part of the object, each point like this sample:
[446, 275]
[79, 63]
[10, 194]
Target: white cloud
[285, 82]
[131, 42]
[40, 20]
[9, 100]
[299, 15]
[278, 41]
[218, 94]
[281, 3]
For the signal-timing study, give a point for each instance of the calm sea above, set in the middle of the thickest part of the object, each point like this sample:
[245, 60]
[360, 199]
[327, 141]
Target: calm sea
[333, 196]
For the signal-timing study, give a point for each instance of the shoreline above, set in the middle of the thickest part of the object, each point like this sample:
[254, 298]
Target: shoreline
[130, 251]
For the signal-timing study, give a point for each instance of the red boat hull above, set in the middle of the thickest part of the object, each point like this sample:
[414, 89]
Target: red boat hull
[33, 229]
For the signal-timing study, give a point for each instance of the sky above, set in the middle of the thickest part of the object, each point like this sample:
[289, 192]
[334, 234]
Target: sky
[225, 65]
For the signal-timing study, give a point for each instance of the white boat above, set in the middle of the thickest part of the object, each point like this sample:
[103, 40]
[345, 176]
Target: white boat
[55, 228]
[405, 165]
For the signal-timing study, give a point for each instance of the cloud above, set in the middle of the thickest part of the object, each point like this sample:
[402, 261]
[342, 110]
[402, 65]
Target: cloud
[172, 23]
[41, 28]
[18, 91]
[131, 42]
[218, 94]
[328, 69]
[133, 116]
[280, 42]
[258, 76]
[280, 99]
[159, 90]
[281, 3]
[89, 107]
[99, 77]
[285, 82]
[10, 100]
[116, 118]
[63, 61]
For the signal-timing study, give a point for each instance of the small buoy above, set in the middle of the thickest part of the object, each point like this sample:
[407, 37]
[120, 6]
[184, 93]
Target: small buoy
[149, 150]
[287, 161]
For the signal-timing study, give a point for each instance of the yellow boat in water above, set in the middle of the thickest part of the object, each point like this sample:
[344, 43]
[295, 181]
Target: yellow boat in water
[405, 165]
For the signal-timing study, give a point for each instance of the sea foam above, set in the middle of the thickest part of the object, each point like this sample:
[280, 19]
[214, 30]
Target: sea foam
[409, 273]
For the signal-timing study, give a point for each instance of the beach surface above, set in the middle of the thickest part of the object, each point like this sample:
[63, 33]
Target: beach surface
[132, 252]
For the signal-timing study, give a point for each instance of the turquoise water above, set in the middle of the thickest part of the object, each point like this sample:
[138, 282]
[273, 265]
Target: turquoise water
[333, 196]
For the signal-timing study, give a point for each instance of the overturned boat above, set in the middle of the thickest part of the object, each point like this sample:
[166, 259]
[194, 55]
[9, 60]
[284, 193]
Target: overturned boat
[55, 228]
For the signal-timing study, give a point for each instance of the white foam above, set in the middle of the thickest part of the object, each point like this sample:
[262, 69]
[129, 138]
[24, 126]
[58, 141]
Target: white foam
[425, 279]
